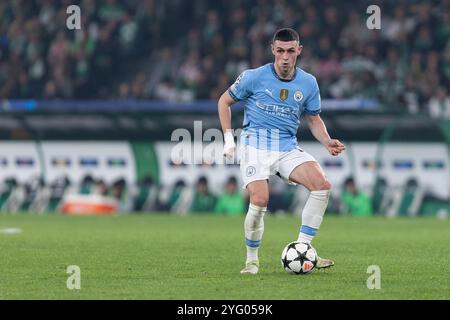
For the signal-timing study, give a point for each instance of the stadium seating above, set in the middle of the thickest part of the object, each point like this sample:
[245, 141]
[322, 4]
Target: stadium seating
[149, 50]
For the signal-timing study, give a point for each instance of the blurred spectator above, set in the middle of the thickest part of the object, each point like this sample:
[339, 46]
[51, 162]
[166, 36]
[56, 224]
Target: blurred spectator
[146, 198]
[101, 188]
[411, 199]
[87, 185]
[231, 202]
[58, 189]
[6, 189]
[118, 189]
[176, 197]
[380, 196]
[203, 200]
[439, 104]
[33, 189]
[356, 202]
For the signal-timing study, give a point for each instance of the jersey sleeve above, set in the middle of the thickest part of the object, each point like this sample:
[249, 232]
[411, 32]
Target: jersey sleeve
[242, 87]
[313, 103]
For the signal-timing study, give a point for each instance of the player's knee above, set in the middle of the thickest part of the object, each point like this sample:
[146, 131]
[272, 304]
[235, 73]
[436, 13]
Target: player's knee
[321, 184]
[259, 200]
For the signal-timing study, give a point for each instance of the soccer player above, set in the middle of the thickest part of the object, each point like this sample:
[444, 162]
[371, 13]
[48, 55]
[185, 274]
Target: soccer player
[275, 96]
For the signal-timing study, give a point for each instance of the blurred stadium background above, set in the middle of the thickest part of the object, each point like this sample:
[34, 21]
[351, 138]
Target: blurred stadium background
[86, 116]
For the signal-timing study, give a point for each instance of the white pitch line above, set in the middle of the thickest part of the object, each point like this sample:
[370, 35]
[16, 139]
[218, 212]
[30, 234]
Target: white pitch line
[10, 230]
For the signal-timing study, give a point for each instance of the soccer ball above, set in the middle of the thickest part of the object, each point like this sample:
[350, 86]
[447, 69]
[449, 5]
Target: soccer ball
[299, 258]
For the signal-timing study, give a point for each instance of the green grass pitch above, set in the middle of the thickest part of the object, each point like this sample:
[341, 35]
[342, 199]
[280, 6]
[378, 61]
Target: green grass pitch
[155, 256]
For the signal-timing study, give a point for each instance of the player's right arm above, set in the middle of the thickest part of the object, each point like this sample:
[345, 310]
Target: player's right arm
[241, 89]
[224, 105]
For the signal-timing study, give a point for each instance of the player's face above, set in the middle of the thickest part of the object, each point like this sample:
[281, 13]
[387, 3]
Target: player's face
[286, 53]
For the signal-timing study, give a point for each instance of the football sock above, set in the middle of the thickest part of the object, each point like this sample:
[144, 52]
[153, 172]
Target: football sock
[254, 229]
[312, 214]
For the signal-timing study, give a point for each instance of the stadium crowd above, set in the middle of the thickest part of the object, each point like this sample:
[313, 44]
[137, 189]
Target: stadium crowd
[176, 51]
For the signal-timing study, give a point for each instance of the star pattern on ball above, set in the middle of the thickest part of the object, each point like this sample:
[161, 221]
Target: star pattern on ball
[292, 254]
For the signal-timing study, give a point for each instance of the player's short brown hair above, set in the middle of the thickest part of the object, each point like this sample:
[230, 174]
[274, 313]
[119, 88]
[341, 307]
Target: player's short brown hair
[286, 34]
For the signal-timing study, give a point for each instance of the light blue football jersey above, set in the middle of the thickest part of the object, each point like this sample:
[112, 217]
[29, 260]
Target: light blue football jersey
[273, 106]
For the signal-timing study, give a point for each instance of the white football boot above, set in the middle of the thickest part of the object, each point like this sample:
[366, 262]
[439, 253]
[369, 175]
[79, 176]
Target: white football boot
[324, 263]
[251, 267]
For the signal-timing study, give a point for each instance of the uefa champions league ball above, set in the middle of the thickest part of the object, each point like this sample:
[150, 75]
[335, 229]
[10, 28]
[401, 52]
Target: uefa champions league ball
[299, 258]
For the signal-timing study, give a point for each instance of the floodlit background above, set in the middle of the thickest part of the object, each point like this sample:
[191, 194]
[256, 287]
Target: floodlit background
[87, 116]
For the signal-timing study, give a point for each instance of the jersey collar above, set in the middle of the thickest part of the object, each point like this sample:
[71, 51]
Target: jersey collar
[272, 67]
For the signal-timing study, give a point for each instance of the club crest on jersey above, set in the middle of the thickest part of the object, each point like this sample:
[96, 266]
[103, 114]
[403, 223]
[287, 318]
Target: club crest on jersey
[250, 171]
[284, 94]
[298, 96]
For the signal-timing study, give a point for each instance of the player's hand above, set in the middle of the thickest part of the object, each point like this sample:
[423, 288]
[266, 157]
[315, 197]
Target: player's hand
[335, 147]
[228, 148]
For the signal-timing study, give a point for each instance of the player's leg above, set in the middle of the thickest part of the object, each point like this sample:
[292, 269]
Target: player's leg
[255, 170]
[311, 175]
[254, 223]
[300, 167]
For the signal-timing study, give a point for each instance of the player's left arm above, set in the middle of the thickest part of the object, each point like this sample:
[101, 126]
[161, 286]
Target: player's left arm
[319, 131]
[316, 124]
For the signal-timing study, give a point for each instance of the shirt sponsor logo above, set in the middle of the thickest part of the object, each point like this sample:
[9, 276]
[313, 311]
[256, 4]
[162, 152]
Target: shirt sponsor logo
[274, 109]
